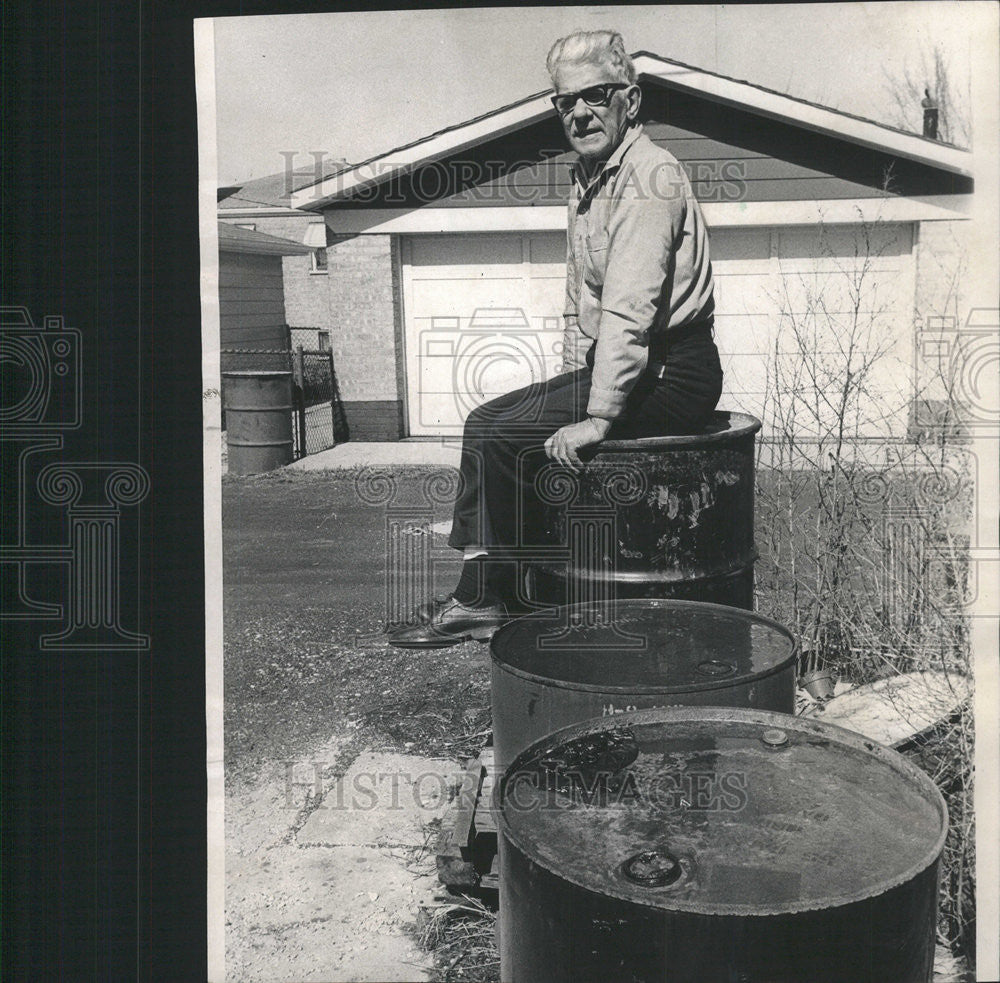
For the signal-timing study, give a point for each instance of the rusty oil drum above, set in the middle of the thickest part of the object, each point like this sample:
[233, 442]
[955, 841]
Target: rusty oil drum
[710, 845]
[258, 406]
[682, 509]
[557, 667]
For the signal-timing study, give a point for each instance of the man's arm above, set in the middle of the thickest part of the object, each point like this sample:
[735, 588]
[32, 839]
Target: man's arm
[573, 355]
[645, 223]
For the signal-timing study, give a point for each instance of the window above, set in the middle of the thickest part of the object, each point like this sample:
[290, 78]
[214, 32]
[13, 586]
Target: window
[323, 340]
[318, 260]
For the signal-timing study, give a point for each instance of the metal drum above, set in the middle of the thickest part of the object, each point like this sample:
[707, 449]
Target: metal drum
[559, 667]
[258, 408]
[712, 845]
[653, 517]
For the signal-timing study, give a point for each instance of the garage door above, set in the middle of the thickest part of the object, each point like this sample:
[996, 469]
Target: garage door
[483, 315]
[796, 306]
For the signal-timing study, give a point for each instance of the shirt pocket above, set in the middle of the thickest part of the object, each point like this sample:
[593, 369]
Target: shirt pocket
[596, 262]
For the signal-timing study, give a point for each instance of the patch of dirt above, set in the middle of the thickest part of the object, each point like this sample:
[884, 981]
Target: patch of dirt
[323, 887]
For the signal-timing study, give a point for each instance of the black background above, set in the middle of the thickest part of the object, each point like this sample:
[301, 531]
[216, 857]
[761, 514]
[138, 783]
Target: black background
[103, 754]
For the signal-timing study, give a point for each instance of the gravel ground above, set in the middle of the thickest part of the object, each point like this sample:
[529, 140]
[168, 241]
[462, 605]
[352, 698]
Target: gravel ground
[313, 891]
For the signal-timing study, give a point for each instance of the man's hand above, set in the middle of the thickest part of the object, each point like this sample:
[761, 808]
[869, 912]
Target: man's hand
[564, 444]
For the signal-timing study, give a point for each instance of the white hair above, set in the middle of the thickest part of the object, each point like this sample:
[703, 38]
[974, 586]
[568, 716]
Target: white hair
[604, 48]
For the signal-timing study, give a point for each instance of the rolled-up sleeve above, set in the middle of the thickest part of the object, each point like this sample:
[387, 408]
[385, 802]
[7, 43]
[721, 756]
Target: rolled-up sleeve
[645, 221]
[573, 355]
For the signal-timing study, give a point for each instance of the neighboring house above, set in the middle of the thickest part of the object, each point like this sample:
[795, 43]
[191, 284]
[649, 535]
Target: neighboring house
[450, 251]
[262, 205]
[251, 294]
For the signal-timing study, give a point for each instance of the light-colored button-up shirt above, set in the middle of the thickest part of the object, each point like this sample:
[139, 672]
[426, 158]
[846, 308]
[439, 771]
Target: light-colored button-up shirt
[637, 266]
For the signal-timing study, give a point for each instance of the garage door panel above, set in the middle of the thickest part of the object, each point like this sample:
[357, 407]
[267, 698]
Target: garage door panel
[744, 250]
[753, 294]
[744, 373]
[547, 297]
[452, 298]
[804, 246]
[744, 333]
[465, 252]
[548, 250]
[803, 293]
[762, 277]
[477, 377]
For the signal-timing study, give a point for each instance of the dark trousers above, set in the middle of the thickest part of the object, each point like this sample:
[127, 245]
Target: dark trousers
[503, 441]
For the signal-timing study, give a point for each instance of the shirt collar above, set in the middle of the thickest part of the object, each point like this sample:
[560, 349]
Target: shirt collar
[633, 134]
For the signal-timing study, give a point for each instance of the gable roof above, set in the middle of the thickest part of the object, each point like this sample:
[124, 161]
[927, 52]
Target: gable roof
[233, 239]
[653, 68]
[274, 190]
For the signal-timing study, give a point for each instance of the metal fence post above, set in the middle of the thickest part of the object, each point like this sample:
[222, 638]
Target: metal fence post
[299, 376]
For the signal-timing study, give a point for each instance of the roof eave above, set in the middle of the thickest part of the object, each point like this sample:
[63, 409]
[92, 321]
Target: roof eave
[263, 249]
[786, 109]
[708, 85]
[374, 172]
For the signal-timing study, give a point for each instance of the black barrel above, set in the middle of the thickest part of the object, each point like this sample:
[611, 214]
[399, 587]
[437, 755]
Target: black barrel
[258, 407]
[555, 668]
[711, 845]
[653, 517]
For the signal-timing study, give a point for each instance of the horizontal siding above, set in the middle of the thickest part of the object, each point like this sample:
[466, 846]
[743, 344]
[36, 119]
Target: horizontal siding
[730, 154]
[266, 293]
[237, 305]
[251, 321]
[801, 186]
[237, 335]
[251, 302]
[249, 279]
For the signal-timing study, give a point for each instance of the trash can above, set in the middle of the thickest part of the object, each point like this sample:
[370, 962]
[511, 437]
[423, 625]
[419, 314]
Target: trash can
[258, 408]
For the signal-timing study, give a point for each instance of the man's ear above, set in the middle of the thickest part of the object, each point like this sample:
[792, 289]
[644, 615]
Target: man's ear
[634, 96]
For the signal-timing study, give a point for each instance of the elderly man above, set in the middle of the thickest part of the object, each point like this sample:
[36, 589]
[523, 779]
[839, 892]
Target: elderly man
[639, 357]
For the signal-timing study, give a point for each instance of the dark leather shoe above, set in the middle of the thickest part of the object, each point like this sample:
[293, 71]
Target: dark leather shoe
[448, 622]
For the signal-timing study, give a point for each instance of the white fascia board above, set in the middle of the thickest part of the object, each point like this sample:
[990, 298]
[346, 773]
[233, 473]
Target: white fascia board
[733, 214]
[828, 121]
[420, 220]
[836, 211]
[380, 169]
[261, 212]
[263, 249]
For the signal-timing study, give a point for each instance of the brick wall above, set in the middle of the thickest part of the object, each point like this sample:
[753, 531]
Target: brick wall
[357, 302]
[362, 315]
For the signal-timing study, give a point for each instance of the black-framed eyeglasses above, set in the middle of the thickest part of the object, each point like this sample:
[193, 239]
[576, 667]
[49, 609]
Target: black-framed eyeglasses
[593, 95]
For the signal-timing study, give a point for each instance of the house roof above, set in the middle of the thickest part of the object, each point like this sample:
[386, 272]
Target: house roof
[233, 239]
[663, 71]
[273, 190]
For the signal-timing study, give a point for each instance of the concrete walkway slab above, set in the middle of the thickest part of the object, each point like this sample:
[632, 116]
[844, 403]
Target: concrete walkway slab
[397, 453]
[384, 800]
[333, 894]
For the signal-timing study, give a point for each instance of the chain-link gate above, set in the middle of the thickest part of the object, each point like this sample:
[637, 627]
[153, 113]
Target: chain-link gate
[320, 415]
[317, 416]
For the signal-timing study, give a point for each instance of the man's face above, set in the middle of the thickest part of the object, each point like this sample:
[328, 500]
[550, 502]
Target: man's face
[595, 131]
